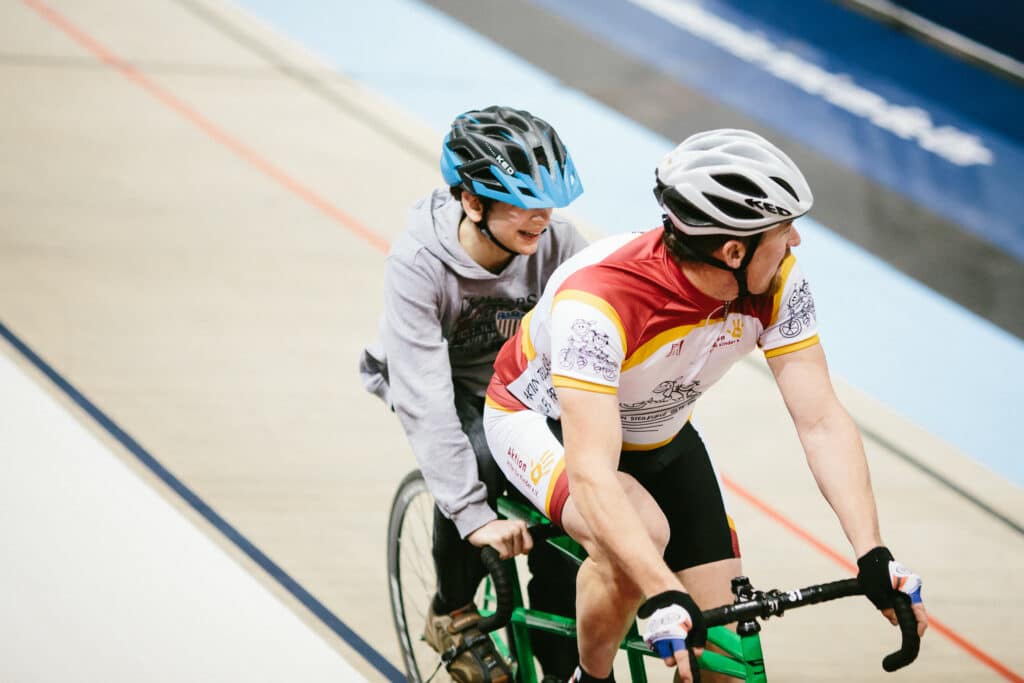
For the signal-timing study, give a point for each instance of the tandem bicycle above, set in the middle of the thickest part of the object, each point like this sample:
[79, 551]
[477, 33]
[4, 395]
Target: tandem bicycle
[508, 622]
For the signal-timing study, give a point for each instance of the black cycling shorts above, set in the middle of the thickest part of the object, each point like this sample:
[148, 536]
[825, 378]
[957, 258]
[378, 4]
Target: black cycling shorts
[682, 481]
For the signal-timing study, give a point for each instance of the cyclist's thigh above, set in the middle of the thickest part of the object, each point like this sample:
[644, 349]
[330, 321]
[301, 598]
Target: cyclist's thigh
[530, 457]
[711, 584]
[469, 408]
[689, 493]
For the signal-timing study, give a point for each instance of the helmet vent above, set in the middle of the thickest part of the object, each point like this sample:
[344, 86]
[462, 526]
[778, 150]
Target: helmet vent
[738, 183]
[489, 183]
[684, 210]
[733, 209]
[786, 186]
[542, 157]
[517, 157]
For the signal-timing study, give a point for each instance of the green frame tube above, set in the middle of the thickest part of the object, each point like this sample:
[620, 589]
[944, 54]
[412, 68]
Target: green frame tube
[741, 656]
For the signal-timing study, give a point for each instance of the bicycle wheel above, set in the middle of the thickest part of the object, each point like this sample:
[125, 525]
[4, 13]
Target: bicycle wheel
[412, 580]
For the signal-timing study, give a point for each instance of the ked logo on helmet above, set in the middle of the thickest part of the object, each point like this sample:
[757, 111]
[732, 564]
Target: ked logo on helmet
[770, 208]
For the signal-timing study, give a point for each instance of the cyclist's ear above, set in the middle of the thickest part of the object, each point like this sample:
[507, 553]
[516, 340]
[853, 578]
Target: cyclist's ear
[733, 252]
[473, 206]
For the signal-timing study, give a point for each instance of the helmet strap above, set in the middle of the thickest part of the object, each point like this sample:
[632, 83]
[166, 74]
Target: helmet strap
[740, 272]
[482, 227]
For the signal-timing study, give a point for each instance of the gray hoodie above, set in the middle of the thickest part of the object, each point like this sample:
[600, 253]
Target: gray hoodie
[445, 318]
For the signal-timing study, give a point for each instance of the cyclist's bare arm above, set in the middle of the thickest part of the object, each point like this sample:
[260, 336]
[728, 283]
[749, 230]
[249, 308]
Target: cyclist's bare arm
[593, 442]
[831, 441]
[834, 450]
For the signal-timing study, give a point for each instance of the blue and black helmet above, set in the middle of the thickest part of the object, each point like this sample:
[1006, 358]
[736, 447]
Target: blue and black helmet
[509, 155]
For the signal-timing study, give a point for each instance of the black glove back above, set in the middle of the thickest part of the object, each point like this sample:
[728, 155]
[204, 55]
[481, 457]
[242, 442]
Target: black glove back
[874, 577]
[698, 633]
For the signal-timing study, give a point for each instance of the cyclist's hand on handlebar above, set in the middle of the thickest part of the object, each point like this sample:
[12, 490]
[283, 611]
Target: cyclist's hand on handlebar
[881, 577]
[919, 613]
[673, 618]
[508, 536]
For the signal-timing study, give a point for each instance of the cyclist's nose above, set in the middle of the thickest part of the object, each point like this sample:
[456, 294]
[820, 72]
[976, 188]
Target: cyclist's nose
[540, 216]
[794, 237]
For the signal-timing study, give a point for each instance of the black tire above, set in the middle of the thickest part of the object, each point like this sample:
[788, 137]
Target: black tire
[411, 576]
[412, 579]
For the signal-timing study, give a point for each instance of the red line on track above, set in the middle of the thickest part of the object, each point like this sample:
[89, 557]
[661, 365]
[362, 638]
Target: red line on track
[312, 198]
[839, 559]
[216, 133]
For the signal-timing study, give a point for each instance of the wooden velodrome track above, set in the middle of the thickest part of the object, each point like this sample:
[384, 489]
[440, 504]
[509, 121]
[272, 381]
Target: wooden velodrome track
[196, 244]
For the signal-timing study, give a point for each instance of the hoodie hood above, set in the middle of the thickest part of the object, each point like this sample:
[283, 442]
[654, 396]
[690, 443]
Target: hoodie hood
[434, 223]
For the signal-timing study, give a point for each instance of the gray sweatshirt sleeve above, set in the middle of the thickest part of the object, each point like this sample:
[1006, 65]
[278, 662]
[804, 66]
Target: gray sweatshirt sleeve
[422, 393]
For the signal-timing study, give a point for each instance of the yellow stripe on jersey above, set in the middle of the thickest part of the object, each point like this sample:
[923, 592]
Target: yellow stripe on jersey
[626, 446]
[573, 383]
[524, 327]
[790, 348]
[559, 468]
[488, 401]
[594, 302]
[646, 446]
[787, 265]
[659, 341]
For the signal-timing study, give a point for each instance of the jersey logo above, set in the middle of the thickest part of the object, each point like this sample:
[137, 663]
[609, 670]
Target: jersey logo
[800, 311]
[677, 348]
[667, 399]
[674, 389]
[541, 467]
[587, 347]
[736, 331]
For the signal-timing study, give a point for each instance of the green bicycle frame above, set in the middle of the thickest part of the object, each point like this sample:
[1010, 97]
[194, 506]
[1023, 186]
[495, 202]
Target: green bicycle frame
[742, 658]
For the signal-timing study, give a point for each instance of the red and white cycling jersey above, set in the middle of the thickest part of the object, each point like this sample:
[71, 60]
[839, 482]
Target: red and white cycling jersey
[621, 318]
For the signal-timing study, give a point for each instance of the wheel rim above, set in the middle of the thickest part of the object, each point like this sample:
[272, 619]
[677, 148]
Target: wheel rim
[413, 579]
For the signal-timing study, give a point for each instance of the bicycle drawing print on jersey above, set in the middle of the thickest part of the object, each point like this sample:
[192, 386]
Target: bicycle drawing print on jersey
[667, 399]
[800, 307]
[588, 346]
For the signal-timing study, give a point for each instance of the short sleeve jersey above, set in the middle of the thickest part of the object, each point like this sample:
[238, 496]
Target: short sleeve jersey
[621, 318]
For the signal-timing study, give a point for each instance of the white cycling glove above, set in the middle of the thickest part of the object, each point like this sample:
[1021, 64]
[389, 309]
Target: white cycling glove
[673, 618]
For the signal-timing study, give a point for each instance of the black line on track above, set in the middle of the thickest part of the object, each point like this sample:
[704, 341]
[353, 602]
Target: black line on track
[377, 660]
[940, 479]
[923, 468]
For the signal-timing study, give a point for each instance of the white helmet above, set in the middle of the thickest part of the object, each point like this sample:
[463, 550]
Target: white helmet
[731, 182]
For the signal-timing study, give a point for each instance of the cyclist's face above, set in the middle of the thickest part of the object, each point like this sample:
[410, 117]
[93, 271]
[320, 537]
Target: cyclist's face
[518, 229]
[773, 248]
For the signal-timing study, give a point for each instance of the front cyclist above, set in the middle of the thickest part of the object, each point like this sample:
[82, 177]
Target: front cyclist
[474, 259]
[626, 337]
